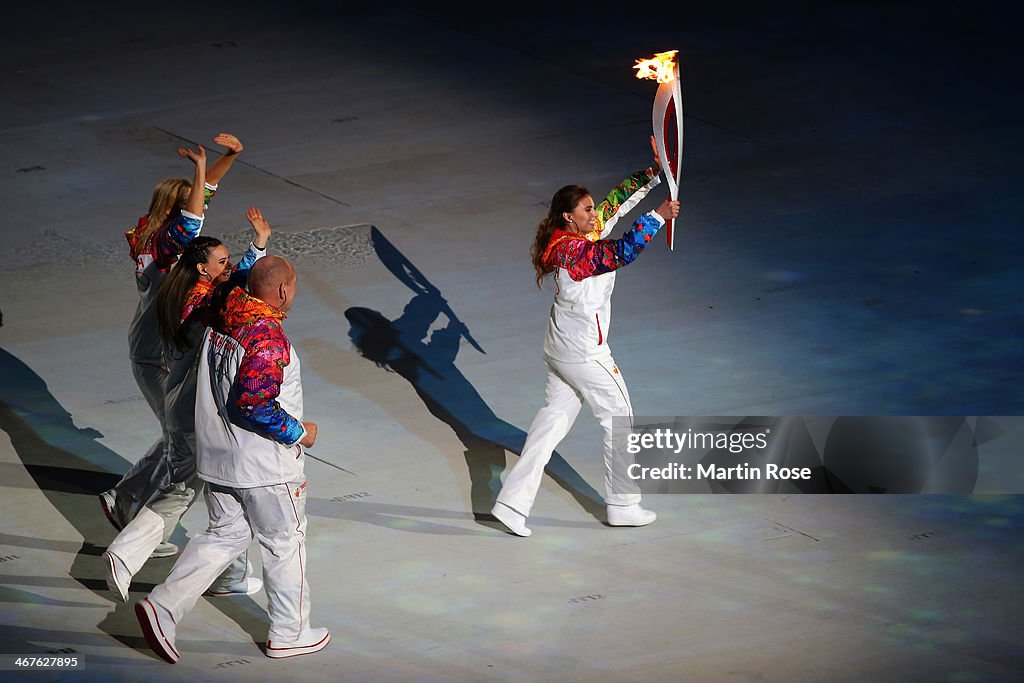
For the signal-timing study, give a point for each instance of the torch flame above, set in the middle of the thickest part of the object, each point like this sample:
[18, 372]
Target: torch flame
[661, 67]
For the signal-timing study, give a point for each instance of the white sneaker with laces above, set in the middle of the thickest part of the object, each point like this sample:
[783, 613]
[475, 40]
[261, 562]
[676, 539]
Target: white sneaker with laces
[513, 519]
[630, 515]
[309, 641]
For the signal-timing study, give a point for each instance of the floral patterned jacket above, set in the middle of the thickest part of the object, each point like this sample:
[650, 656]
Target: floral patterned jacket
[585, 266]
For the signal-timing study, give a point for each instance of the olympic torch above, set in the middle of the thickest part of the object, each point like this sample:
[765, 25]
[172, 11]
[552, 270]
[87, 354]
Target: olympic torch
[667, 120]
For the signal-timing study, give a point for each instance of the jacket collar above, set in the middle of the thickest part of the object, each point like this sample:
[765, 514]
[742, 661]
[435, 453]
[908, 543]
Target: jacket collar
[244, 309]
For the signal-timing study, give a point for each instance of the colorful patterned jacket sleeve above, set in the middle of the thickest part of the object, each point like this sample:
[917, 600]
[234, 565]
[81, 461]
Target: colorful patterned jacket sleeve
[623, 198]
[178, 232]
[251, 256]
[258, 384]
[582, 258]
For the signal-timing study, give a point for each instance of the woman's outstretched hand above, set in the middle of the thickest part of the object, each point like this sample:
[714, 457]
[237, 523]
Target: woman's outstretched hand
[197, 156]
[228, 140]
[669, 209]
[260, 226]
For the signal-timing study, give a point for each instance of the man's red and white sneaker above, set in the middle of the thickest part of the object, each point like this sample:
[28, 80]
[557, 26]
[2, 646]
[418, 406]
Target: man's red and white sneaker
[158, 628]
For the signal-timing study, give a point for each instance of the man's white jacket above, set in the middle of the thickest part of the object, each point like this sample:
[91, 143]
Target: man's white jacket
[249, 403]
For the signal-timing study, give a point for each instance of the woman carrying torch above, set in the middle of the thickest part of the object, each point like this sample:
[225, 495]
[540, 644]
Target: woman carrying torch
[571, 243]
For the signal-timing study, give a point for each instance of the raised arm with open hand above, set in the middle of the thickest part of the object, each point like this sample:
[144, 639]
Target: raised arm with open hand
[260, 226]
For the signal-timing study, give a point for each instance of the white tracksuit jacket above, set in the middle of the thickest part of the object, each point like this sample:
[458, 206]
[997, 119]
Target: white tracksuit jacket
[249, 404]
[581, 315]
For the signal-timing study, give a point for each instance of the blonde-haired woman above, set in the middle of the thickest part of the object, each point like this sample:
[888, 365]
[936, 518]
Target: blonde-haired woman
[173, 220]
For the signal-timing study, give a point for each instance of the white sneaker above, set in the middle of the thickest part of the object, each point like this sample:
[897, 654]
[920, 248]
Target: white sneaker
[309, 641]
[164, 550]
[513, 519]
[630, 515]
[158, 628]
[246, 586]
[119, 578]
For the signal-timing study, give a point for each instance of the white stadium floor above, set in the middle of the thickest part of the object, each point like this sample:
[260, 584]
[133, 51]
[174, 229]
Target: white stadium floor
[848, 246]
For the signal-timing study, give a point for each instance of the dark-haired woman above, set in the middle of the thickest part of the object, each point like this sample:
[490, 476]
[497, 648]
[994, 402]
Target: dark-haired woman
[173, 220]
[183, 312]
[571, 244]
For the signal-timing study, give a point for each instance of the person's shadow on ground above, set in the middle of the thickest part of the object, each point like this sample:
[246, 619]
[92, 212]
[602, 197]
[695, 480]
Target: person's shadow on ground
[402, 346]
[70, 467]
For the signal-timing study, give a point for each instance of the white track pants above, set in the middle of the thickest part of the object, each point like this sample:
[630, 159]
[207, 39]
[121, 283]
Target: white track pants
[276, 515]
[176, 483]
[152, 380]
[142, 478]
[600, 384]
[176, 487]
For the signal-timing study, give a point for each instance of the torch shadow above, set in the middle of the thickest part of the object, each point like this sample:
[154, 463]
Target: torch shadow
[70, 467]
[429, 366]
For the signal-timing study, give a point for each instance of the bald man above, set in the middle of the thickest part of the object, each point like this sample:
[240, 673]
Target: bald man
[250, 450]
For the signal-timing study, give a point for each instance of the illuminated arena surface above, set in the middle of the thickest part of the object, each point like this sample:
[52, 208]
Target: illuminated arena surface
[848, 246]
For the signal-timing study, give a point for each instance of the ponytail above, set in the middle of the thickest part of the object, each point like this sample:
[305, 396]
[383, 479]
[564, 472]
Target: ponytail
[174, 290]
[219, 301]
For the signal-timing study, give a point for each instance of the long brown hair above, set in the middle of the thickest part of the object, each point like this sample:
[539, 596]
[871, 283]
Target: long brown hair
[167, 196]
[564, 201]
[175, 288]
[219, 302]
